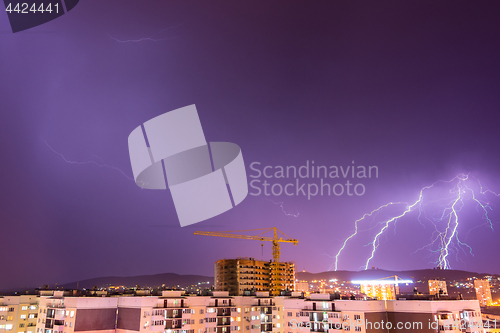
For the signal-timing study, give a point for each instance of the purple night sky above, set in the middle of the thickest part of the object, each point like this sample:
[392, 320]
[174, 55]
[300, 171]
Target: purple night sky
[409, 86]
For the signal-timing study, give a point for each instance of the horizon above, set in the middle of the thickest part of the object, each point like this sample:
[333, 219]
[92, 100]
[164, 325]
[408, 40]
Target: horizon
[60, 285]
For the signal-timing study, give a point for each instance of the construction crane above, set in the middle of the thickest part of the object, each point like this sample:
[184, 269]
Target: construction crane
[276, 240]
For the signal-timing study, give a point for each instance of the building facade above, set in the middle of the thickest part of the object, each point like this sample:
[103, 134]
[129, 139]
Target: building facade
[437, 287]
[242, 276]
[19, 313]
[59, 314]
[321, 314]
[483, 292]
[174, 312]
[379, 291]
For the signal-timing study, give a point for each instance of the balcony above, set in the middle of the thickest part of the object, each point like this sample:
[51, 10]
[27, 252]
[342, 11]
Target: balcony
[173, 314]
[224, 329]
[267, 311]
[266, 327]
[59, 326]
[178, 304]
[173, 324]
[51, 313]
[220, 305]
[267, 303]
[224, 312]
[49, 324]
[317, 317]
[222, 322]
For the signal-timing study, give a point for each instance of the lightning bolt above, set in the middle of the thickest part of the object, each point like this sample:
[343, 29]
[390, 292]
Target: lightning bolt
[443, 242]
[147, 39]
[281, 205]
[356, 228]
[99, 164]
[485, 191]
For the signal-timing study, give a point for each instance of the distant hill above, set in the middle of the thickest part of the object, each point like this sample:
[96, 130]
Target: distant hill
[172, 279]
[168, 279]
[415, 275]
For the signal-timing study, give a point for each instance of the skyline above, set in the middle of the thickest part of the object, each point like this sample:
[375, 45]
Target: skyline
[407, 87]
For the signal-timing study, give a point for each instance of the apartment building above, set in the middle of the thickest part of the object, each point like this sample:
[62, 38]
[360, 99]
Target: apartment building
[380, 291]
[243, 275]
[175, 312]
[170, 312]
[19, 313]
[450, 316]
[437, 287]
[220, 313]
[483, 292]
[320, 313]
[59, 314]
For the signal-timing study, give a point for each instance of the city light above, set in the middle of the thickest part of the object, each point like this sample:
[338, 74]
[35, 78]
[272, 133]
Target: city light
[381, 281]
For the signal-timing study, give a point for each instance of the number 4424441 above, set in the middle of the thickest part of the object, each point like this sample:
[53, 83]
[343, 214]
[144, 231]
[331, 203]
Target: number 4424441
[25, 8]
